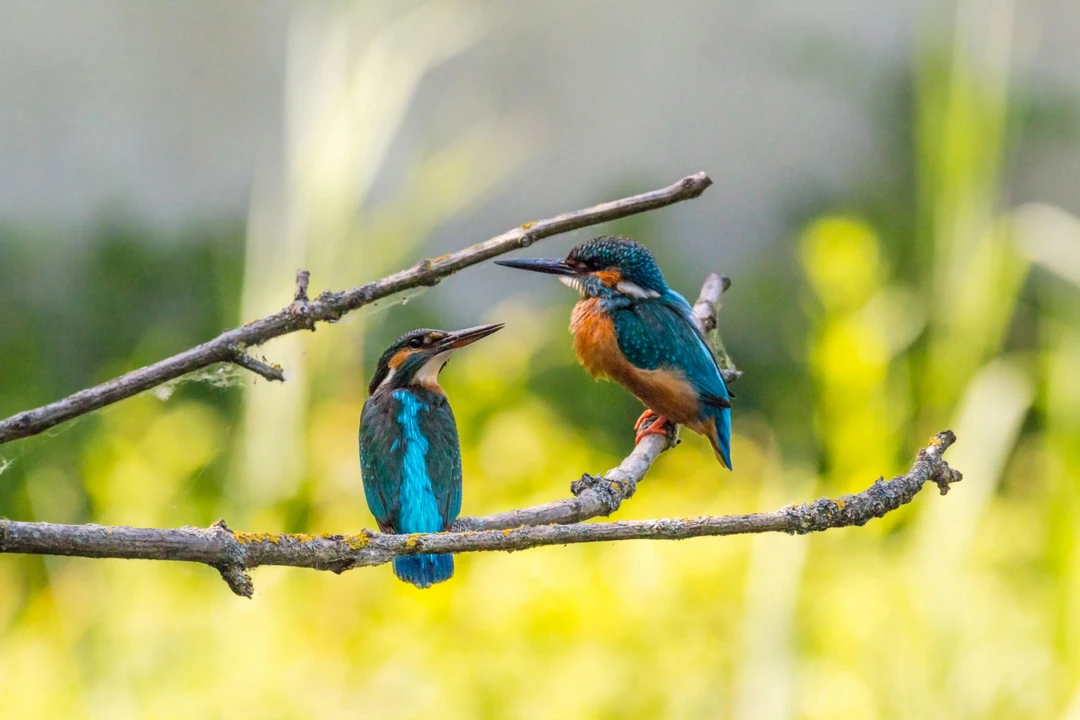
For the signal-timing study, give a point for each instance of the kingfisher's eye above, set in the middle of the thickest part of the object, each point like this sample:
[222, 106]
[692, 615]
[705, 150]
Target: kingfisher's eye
[416, 342]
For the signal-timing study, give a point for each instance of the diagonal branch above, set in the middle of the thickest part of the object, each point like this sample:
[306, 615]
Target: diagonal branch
[303, 314]
[602, 496]
[270, 372]
[232, 553]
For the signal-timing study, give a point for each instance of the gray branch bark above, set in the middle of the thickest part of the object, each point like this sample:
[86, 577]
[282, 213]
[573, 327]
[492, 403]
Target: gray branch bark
[233, 553]
[303, 314]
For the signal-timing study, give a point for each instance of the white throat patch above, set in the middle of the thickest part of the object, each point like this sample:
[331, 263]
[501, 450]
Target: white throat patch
[429, 373]
[574, 282]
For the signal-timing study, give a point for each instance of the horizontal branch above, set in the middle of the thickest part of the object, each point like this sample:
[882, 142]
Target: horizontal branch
[303, 314]
[235, 552]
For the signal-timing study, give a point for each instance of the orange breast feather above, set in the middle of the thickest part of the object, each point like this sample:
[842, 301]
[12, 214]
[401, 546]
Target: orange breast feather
[664, 391]
[595, 342]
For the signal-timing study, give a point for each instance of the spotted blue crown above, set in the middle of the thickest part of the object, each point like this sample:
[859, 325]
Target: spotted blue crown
[634, 261]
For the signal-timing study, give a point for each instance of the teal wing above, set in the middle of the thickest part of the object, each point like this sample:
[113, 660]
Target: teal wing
[660, 333]
[410, 460]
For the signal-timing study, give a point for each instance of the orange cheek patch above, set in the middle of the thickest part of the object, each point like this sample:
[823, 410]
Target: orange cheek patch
[399, 357]
[611, 278]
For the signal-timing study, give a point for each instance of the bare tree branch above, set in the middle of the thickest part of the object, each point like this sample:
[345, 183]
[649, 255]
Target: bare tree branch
[706, 311]
[593, 496]
[232, 553]
[303, 314]
[270, 372]
[555, 523]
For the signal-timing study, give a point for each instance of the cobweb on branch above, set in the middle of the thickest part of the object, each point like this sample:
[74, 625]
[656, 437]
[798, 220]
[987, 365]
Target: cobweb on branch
[222, 375]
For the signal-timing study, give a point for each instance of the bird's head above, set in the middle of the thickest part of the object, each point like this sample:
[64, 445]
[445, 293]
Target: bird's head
[603, 267]
[416, 357]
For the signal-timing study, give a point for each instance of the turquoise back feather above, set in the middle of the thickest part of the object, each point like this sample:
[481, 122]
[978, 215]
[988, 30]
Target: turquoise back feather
[410, 459]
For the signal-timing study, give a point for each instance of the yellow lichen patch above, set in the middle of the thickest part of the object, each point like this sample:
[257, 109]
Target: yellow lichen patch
[935, 441]
[246, 538]
[355, 542]
[840, 504]
[506, 533]
[527, 225]
[411, 542]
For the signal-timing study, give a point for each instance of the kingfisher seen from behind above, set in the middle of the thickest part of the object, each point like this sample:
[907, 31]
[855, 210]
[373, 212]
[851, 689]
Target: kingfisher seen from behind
[629, 326]
[410, 456]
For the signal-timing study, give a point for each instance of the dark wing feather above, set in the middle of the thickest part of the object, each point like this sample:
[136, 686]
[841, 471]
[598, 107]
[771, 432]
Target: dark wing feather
[380, 458]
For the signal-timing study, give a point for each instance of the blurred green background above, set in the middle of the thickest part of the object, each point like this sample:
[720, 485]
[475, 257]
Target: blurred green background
[934, 286]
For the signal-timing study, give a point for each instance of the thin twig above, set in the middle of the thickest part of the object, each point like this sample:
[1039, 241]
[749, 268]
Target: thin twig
[234, 552]
[330, 307]
[303, 277]
[270, 372]
[715, 286]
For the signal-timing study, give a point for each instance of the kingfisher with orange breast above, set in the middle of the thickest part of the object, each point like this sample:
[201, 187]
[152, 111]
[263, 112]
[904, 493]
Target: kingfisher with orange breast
[630, 327]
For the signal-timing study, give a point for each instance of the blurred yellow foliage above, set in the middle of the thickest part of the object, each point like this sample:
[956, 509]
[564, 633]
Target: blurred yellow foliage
[962, 607]
[842, 261]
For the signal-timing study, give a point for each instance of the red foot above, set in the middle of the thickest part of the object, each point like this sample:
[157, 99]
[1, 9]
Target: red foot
[658, 426]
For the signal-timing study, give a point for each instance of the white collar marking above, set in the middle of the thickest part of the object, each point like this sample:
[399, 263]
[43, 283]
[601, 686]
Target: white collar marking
[634, 290]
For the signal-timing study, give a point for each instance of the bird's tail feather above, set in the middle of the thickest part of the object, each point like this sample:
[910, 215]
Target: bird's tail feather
[423, 571]
[718, 430]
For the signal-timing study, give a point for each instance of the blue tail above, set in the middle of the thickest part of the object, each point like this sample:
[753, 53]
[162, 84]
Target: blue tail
[721, 440]
[423, 571]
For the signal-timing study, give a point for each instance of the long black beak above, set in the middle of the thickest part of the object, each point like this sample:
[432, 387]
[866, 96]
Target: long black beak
[468, 336]
[551, 266]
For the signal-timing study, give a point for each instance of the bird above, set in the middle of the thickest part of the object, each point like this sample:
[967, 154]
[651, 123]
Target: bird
[630, 327]
[410, 455]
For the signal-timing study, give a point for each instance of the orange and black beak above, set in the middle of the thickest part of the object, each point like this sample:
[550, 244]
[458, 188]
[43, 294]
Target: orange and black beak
[550, 266]
[461, 338]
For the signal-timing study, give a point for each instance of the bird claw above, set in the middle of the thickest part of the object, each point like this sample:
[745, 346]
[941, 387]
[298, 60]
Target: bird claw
[652, 424]
[643, 419]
